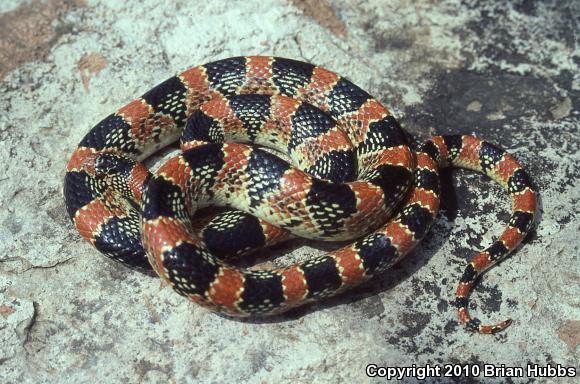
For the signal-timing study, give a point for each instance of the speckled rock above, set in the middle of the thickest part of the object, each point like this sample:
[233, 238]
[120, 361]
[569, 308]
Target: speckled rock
[508, 73]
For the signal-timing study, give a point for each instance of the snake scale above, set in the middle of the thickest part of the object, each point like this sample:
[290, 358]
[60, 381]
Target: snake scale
[353, 177]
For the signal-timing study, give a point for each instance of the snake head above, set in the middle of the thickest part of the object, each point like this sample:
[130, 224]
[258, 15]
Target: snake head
[111, 165]
[121, 173]
[114, 171]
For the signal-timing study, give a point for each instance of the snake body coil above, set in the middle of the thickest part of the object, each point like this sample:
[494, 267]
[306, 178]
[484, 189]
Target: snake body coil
[354, 171]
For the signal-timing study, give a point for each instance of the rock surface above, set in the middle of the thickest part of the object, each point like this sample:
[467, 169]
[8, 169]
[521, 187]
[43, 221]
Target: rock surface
[508, 73]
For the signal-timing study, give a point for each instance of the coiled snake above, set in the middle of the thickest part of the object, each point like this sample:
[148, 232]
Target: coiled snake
[354, 170]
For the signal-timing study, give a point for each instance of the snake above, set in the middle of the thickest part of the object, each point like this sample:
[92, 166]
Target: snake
[288, 149]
